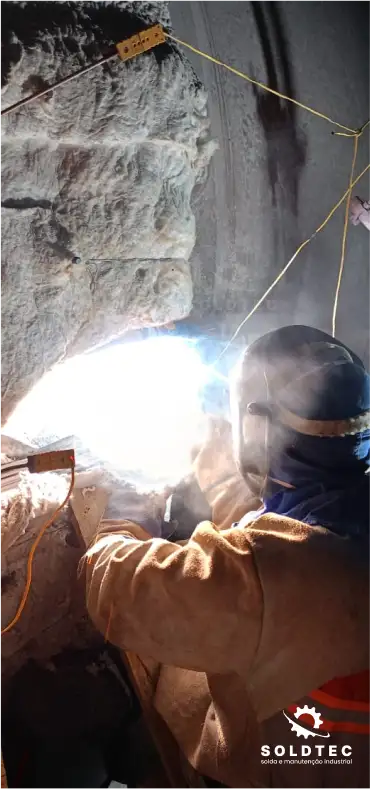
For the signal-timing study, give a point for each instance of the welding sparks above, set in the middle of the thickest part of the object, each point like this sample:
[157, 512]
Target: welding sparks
[135, 406]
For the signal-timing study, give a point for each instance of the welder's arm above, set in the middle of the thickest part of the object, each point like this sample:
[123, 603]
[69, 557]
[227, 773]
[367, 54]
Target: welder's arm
[230, 500]
[218, 477]
[197, 606]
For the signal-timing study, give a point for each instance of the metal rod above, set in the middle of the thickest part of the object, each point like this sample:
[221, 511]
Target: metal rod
[28, 99]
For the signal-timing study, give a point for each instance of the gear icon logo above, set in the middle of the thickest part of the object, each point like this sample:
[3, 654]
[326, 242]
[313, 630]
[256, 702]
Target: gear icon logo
[299, 730]
[302, 731]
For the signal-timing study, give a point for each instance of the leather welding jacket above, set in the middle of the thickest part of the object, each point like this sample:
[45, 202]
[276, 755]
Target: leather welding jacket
[243, 624]
[238, 625]
[341, 704]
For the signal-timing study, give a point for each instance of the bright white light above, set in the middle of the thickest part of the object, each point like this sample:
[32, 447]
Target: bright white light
[135, 406]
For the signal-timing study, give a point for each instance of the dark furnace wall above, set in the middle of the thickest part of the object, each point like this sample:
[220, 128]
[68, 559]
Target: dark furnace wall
[277, 172]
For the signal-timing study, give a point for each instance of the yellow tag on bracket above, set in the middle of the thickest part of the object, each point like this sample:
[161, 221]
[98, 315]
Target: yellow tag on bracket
[142, 42]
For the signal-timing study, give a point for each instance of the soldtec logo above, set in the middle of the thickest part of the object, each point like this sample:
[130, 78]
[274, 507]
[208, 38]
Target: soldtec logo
[309, 727]
[302, 730]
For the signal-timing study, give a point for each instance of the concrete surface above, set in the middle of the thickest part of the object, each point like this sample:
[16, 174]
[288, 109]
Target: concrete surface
[243, 239]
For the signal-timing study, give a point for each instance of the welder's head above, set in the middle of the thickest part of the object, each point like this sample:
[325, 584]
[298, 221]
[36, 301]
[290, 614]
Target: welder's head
[300, 403]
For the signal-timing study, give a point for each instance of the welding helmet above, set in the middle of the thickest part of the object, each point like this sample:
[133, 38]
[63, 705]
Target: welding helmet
[292, 389]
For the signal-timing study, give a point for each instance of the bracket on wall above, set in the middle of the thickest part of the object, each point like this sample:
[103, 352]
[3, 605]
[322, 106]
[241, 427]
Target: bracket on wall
[141, 42]
[126, 50]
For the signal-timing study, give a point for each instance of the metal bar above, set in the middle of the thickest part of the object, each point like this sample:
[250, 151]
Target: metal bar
[28, 99]
[141, 42]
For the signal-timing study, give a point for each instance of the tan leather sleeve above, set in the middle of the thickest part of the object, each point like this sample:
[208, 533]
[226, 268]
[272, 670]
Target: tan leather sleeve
[159, 599]
[230, 501]
[218, 477]
[316, 614]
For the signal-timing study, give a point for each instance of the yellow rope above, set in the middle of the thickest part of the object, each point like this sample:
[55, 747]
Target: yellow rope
[348, 132]
[362, 129]
[263, 86]
[292, 259]
[344, 237]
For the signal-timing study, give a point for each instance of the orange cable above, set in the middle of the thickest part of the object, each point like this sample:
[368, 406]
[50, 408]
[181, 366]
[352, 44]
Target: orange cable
[107, 630]
[32, 553]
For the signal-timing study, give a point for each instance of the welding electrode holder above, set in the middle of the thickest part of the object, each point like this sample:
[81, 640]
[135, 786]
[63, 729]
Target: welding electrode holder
[57, 460]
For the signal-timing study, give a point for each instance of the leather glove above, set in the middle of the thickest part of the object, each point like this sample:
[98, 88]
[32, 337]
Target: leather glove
[213, 461]
[145, 509]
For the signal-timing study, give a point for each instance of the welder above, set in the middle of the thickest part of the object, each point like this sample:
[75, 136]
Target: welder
[259, 628]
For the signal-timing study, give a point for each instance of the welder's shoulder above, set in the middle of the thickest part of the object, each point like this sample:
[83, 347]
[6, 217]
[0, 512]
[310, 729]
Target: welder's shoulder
[285, 534]
[283, 538]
